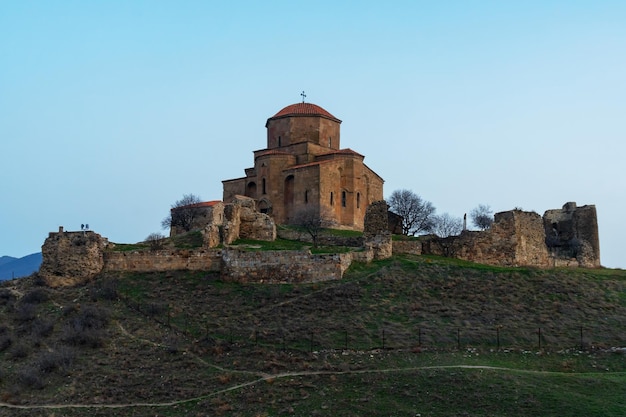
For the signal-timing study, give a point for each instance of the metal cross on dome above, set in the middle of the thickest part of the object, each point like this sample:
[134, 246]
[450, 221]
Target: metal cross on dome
[303, 95]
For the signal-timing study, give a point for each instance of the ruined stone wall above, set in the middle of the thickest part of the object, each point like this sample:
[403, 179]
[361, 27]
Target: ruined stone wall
[70, 258]
[282, 266]
[242, 221]
[572, 235]
[376, 230]
[203, 214]
[516, 238]
[163, 260]
[407, 247]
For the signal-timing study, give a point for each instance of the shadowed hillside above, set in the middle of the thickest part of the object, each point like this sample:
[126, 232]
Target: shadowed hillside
[382, 339]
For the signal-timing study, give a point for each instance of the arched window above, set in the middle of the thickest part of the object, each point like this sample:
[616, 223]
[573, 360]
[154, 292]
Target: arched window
[331, 198]
[306, 196]
[251, 189]
[330, 142]
[343, 199]
[263, 186]
[279, 141]
[358, 200]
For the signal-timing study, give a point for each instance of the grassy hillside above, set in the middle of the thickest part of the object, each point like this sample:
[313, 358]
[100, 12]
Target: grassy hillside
[406, 336]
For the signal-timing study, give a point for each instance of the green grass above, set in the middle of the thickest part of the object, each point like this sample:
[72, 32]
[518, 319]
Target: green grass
[190, 337]
[286, 244]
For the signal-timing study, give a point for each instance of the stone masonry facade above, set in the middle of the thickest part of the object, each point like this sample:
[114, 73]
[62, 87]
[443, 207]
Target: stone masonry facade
[303, 169]
[565, 237]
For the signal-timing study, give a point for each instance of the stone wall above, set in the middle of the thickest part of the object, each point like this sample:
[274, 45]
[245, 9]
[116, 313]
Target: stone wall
[516, 238]
[282, 266]
[225, 223]
[407, 247]
[376, 230]
[572, 235]
[163, 260]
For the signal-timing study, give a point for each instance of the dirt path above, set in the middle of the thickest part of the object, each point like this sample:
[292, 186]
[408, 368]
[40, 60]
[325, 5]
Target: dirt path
[270, 377]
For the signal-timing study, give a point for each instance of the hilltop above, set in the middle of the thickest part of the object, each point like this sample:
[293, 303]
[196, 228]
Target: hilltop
[397, 334]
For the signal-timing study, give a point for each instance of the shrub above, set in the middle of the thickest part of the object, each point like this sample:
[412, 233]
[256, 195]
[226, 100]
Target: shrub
[155, 240]
[19, 350]
[36, 296]
[61, 359]
[38, 280]
[86, 328]
[6, 296]
[5, 342]
[154, 309]
[42, 327]
[29, 377]
[105, 290]
[25, 312]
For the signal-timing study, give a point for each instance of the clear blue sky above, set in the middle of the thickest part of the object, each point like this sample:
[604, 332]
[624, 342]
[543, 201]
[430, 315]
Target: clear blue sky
[112, 110]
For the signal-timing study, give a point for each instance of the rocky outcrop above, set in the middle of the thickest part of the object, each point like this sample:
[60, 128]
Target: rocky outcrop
[71, 258]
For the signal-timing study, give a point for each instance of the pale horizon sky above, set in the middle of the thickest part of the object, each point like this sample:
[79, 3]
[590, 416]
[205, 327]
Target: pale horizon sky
[112, 110]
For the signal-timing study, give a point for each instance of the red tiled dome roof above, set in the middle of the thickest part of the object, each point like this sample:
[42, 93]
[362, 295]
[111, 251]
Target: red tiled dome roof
[304, 109]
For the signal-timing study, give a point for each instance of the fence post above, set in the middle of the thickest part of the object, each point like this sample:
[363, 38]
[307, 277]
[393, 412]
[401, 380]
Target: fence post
[383, 339]
[539, 337]
[498, 337]
[582, 346]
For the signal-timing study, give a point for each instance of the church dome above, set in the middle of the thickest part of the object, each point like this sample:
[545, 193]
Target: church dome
[304, 109]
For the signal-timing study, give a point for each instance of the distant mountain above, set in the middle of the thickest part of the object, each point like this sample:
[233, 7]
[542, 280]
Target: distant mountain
[6, 259]
[11, 267]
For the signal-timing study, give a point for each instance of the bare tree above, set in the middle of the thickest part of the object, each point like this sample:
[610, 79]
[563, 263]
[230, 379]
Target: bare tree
[155, 240]
[182, 213]
[417, 214]
[313, 222]
[447, 225]
[482, 217]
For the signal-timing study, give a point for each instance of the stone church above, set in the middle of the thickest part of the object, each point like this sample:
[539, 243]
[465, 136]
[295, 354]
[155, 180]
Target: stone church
[303, 170]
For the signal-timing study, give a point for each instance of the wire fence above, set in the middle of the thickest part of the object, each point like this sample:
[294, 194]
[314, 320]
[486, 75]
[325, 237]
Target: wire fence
[392, 336]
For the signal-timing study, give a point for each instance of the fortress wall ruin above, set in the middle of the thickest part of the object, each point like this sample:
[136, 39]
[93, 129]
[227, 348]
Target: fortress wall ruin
[282, 266]
[407, 247]
[516, 238]
[163, 260]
